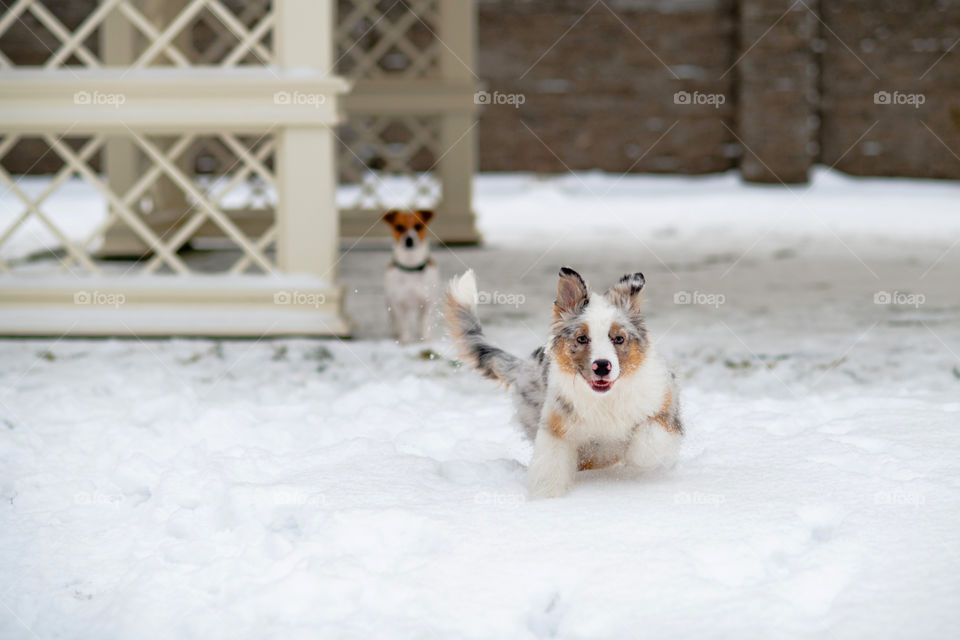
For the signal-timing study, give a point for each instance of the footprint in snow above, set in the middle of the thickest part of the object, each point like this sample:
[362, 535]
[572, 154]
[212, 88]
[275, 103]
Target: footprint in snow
[544, 620]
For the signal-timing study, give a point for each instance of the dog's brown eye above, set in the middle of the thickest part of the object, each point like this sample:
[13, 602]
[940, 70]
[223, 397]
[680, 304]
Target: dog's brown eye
[418, 227]
[400, 228]
[618, 340]
[583, 339]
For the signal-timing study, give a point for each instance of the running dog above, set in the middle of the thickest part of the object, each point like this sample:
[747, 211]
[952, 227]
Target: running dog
[596, 394]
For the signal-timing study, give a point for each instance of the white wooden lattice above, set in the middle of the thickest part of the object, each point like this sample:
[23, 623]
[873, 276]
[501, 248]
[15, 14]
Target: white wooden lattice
[170, 108]
[165, 29]
[138, 210]
[391, 159]
[388, 48]
[388, 38]
[200, 122]
[376, 148]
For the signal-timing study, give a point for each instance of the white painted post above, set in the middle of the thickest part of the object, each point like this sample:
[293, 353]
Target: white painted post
[307, 221]
[117, 38]
[169, 201]
[118, 43]
[456, 223]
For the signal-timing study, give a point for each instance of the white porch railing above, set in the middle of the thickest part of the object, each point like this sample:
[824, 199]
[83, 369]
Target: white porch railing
[152, 107]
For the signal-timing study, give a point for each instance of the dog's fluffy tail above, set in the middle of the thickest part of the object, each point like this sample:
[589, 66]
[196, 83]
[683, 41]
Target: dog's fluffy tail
[464, 325]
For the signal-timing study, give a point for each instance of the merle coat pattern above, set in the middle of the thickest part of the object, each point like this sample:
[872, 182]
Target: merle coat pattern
[595, 394]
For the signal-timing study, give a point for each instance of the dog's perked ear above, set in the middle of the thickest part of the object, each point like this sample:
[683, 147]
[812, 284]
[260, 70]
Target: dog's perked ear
[626, 293]
[390, 216]
[425, 215]
[572, 294]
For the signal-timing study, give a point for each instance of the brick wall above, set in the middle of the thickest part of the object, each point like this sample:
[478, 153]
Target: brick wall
[597, 97]
[777, 98]
[769, 86]
[894, 47]
[801, 91]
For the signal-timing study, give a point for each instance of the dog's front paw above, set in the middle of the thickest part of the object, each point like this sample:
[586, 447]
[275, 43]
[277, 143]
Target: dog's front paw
[552, 466]
[653, 447]
[541, 486]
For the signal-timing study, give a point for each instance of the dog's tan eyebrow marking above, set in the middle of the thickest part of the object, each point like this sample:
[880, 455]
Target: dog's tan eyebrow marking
[569, 355]
[631, 351]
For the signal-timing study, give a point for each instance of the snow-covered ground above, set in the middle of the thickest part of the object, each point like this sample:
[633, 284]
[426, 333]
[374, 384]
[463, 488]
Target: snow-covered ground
[358, 489]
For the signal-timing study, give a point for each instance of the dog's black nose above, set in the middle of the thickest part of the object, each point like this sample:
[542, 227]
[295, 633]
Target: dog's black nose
[408, 243]
[601, 367]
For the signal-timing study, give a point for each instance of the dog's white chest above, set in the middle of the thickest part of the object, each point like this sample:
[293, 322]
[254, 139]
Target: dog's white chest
[406, 288]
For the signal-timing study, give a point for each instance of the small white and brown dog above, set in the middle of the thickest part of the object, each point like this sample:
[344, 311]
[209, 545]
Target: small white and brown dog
[412, 279]
[596, 394]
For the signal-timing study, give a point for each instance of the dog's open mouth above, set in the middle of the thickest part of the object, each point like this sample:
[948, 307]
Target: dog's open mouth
[601, 386]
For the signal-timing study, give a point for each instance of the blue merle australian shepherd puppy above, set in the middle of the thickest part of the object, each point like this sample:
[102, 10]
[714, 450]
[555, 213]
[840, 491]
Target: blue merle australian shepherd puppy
[596, 394]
